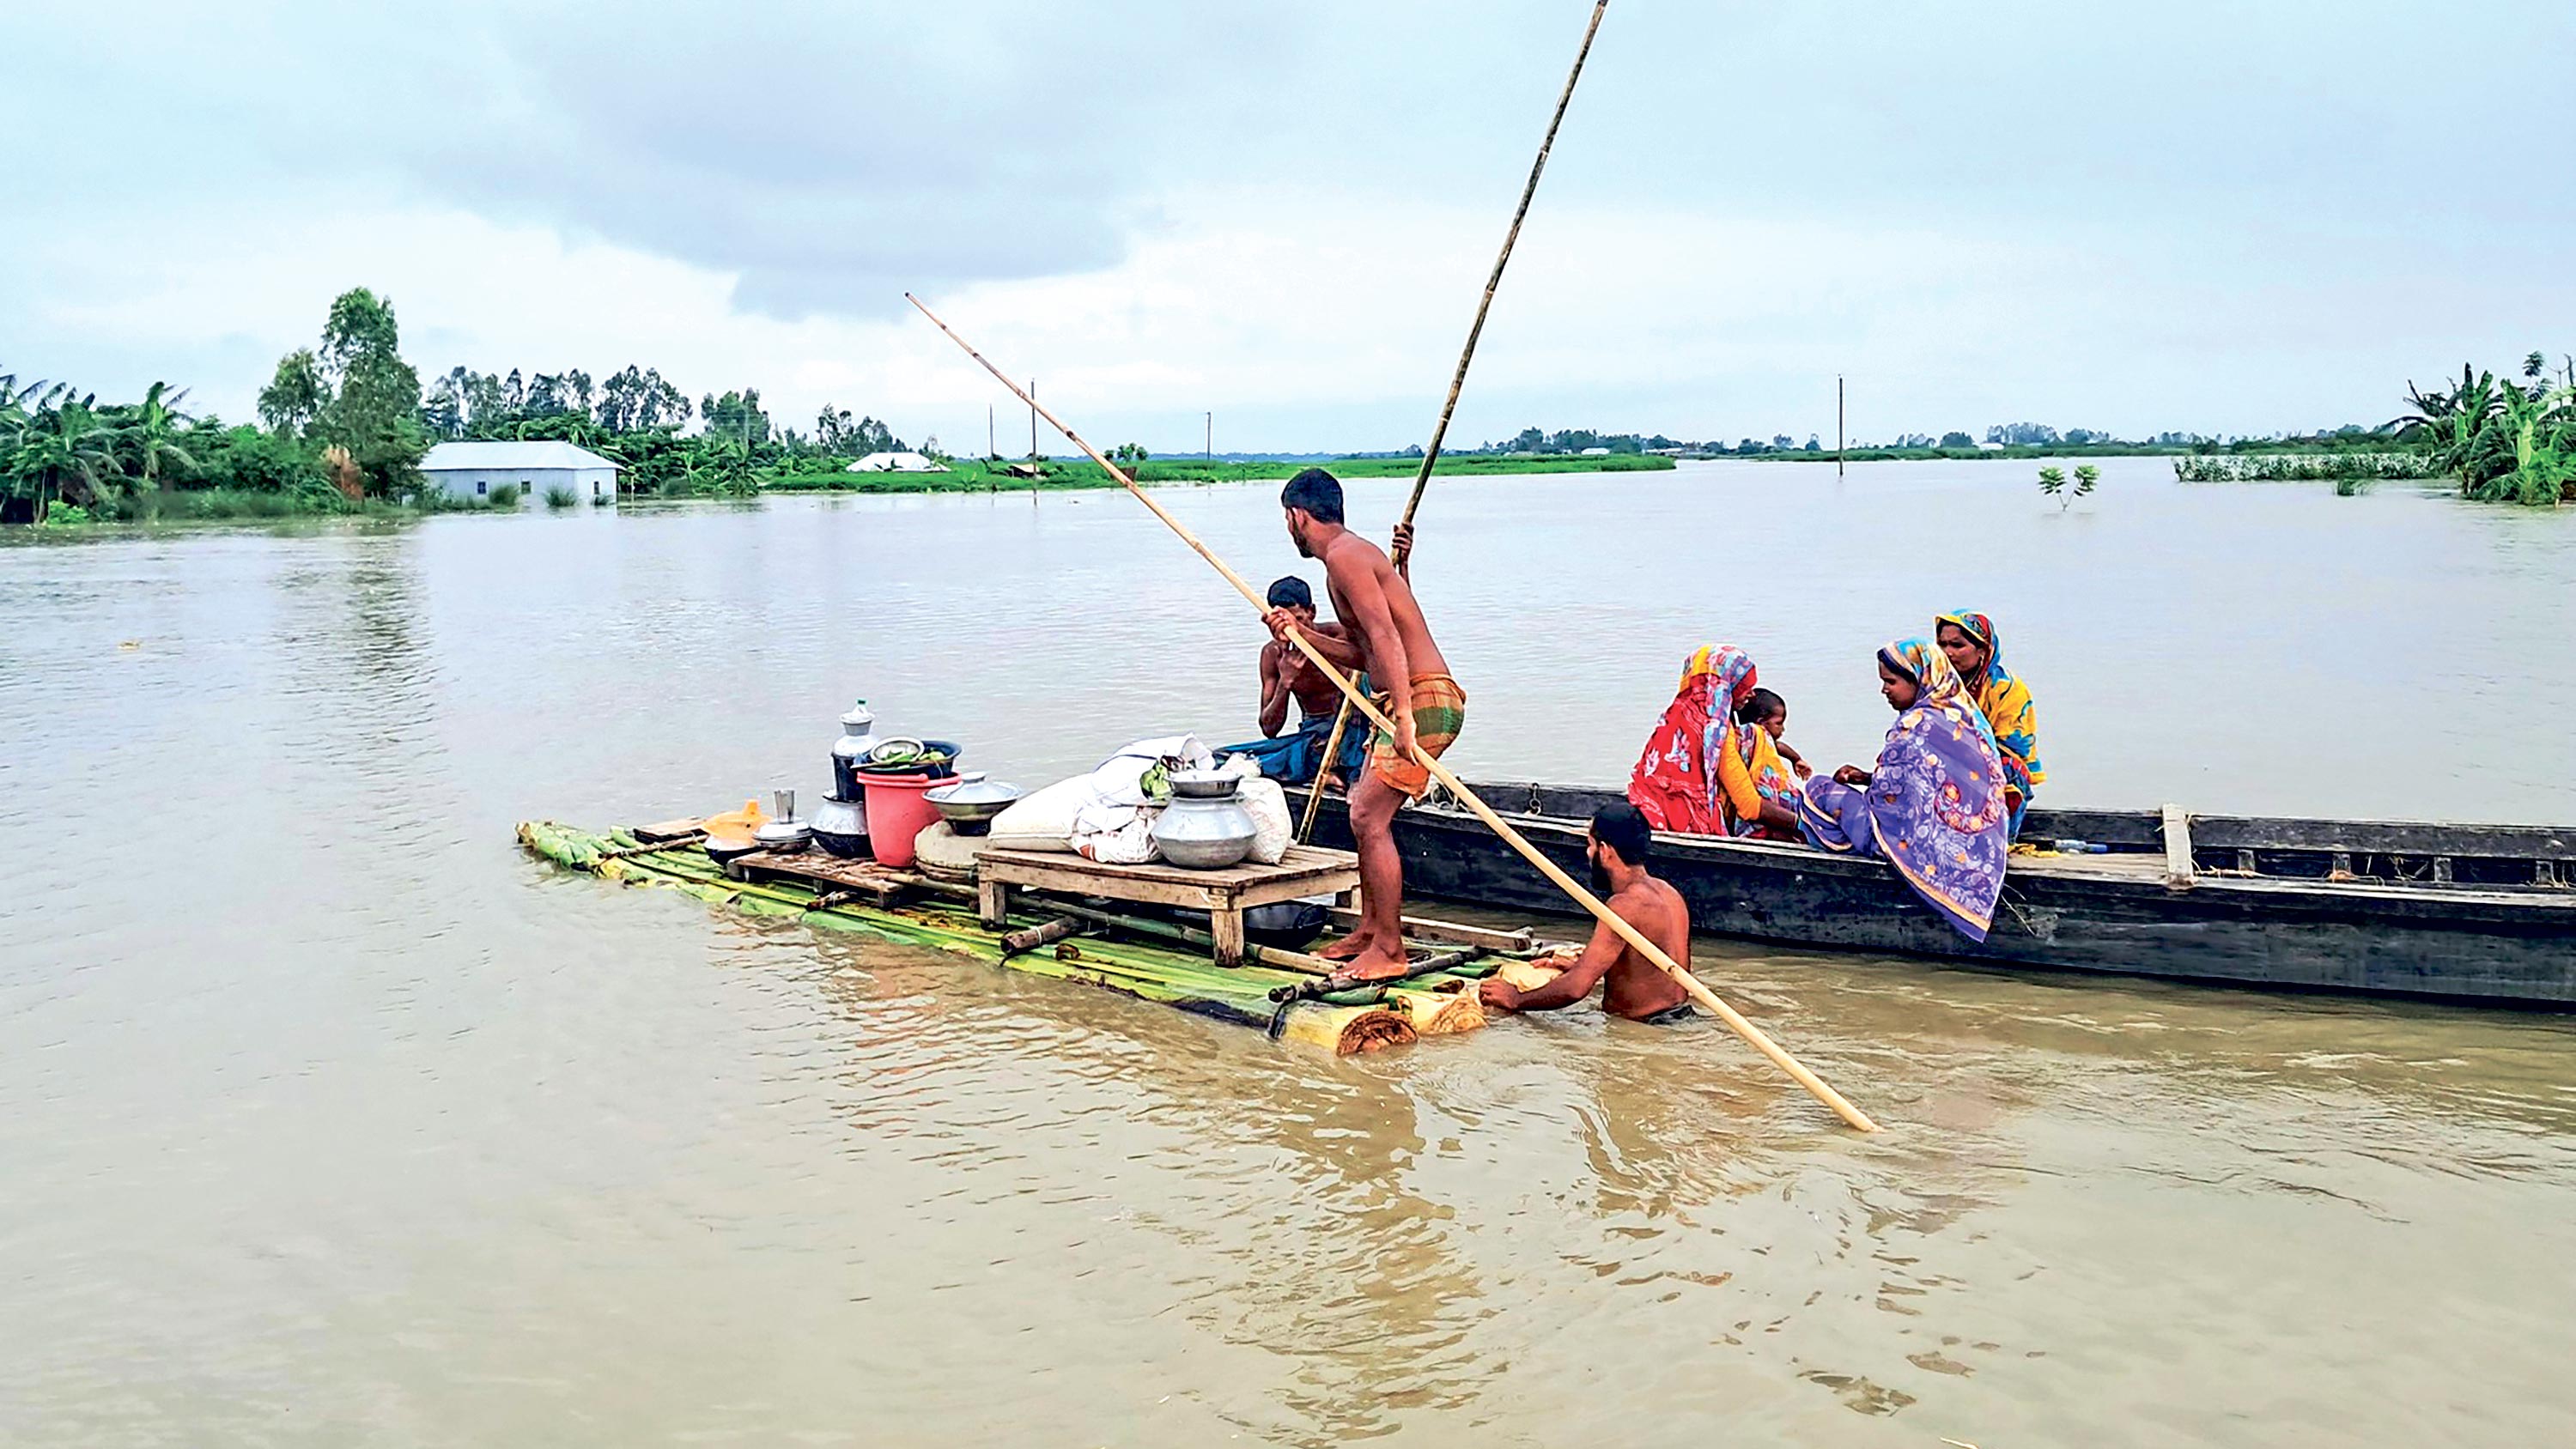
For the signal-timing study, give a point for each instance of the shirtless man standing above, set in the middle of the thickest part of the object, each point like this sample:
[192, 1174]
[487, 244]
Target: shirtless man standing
[1639, 989]
[1385, 636]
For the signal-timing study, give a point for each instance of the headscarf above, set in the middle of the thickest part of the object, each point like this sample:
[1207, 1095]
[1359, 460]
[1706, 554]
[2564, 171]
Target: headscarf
[1677, 784]
[1936, 798]
[2006, 701]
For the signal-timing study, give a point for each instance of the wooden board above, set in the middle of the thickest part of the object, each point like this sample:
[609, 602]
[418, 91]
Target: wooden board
[2177, 833]
[666, 831]
[1453, 933]
[865, 878]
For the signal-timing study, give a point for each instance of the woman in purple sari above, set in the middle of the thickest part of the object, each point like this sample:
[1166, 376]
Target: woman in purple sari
[1934, 807]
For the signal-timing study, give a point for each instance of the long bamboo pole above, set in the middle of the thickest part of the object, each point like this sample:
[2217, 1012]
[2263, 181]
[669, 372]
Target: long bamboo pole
[1636, 939]
[1458, 381]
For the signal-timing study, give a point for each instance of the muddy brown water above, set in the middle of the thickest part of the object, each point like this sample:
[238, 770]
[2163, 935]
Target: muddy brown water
[326, 1117]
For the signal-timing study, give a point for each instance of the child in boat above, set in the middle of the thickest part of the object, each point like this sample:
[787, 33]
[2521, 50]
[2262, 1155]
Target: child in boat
[1770, 713]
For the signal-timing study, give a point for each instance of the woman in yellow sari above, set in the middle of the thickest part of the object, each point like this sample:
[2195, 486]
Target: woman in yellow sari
[1969, 639]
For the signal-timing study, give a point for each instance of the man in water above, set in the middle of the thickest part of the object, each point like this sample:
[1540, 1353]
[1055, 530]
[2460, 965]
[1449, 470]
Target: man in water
[1383, 634]
[1639, 989]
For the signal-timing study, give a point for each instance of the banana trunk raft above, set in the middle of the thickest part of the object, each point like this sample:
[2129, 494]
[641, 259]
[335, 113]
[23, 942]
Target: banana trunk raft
[1365, 1019]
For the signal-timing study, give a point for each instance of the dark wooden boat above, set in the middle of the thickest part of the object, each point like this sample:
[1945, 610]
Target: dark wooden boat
[2479, 914]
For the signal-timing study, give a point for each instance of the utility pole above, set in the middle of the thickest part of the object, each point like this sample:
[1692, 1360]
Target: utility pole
[1033, 420]
[1211, 437]
[992, 449]
[1838, 425]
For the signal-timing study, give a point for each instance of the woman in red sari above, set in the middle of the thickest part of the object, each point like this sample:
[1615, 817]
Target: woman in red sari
[1706, 772]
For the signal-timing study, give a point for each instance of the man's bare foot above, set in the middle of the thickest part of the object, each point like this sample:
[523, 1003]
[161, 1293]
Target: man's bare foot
[1349, 948]
[1376, 965]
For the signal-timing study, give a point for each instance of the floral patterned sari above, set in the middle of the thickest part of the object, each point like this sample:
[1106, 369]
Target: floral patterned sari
[1935, 804]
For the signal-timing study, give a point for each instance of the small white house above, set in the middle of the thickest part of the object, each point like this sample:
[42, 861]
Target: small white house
[478, 470]
[897, 463]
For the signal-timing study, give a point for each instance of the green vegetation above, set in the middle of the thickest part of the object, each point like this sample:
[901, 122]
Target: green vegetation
[2503, 441]
[560, 497]
[2304, 468]
[341, 438]
[2052, 481]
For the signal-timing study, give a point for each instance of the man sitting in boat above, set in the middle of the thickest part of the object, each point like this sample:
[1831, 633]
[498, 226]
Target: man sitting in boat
[1384, 634]
[1288, 675]
[1638, 989]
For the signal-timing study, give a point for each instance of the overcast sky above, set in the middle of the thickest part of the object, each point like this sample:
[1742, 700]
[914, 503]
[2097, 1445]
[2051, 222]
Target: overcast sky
[2200, 214]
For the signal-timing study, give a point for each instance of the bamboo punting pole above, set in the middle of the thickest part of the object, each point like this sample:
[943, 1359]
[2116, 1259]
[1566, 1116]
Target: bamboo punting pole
[1636, 939]
[1457, 381]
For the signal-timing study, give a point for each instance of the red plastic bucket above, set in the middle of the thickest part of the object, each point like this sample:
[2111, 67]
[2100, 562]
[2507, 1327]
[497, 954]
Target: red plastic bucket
[897, 813]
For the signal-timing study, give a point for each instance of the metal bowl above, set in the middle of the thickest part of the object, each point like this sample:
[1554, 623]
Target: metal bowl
[787, 836]
[970, 805]
[935, 758]
[1204, 784]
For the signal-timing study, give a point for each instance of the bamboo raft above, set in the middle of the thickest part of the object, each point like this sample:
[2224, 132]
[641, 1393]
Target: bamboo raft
[1291, 997]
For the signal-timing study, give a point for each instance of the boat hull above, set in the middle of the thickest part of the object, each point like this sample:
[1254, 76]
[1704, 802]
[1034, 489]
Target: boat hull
[2476, 943]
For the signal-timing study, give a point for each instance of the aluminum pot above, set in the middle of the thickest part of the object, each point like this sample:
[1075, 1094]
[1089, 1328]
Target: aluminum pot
[841, 827]
[1204, 832]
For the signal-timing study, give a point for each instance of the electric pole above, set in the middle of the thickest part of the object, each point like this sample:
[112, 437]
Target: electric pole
[1211, 437]
[1838, 425]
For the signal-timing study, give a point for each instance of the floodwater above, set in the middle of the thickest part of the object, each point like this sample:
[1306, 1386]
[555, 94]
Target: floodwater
[326, 1117]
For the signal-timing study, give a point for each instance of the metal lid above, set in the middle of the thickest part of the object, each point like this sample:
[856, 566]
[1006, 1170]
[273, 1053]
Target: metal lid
[973, 789]
[858, 718]
[784, 832]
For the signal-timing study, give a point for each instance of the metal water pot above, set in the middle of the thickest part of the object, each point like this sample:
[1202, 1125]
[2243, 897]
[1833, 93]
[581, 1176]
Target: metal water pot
[1205, 827]
[858, 736]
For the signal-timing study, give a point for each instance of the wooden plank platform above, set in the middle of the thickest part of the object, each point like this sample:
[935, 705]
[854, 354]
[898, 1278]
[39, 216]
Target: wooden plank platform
[860, 879]
[1224, 894]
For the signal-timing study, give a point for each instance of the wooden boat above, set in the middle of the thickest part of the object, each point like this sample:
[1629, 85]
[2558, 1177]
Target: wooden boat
[2478, 914]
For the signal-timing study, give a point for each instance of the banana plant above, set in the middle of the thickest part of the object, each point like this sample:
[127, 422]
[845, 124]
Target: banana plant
[2544, 449]
[152, 434]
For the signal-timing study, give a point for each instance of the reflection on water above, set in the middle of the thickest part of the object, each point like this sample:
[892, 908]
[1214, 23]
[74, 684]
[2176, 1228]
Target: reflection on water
[325, 1110]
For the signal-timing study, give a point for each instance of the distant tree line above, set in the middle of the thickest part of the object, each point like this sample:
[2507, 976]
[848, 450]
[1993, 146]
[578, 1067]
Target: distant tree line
[343, 426]
[2021, 437]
